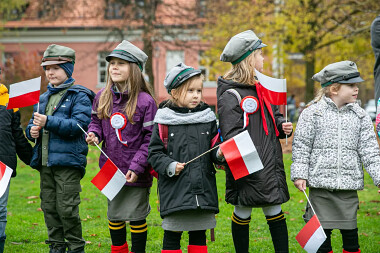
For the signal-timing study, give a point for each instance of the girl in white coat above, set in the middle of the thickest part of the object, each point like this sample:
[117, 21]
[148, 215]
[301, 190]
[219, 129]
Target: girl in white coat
[333, 140]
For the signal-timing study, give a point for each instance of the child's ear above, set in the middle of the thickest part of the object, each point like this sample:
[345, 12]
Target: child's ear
[174, 93]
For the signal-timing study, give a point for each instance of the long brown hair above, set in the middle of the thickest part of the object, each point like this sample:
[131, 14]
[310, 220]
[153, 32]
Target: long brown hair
[135, 84]
[244, 71]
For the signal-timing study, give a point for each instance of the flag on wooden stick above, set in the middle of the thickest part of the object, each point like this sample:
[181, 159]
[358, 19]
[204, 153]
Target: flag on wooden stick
[5, 176]
[24, 93]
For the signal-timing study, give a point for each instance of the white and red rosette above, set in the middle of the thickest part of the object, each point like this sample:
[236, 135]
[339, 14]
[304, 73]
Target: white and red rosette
[249, 105]
[118, 122]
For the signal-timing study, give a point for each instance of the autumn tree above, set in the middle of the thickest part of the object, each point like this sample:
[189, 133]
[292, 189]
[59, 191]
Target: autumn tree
[321, 31]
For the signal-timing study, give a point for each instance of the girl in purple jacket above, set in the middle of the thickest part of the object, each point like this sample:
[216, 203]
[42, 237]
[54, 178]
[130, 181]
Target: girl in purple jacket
[122, 118]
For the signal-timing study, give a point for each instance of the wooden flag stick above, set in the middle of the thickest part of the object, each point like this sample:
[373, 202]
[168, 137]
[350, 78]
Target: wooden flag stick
[94, 142]
[309, 201]
[201, 155]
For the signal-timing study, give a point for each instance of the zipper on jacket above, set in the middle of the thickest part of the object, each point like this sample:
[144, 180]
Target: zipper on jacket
[339, 147]
[196, 198]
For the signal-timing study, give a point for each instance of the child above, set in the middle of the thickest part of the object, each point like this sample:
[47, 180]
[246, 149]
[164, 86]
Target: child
[188, 194]
[267, 188]
[122, 118]
[333, 140]
[60, 152]
[13, 143]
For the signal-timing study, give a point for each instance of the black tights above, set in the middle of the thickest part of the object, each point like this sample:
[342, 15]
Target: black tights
[172, 239]
[350, 240]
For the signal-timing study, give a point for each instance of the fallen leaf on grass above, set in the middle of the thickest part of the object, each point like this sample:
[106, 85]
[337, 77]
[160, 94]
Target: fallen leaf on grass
[31, 202]
[301, 201]
[365, 234]
[39, 209]
[88, 242]
[93, 235]
[286, 212]
[375, 201]
[99, 245]
[35, 224]
[32, 197]
[292, 219]
[16, 243]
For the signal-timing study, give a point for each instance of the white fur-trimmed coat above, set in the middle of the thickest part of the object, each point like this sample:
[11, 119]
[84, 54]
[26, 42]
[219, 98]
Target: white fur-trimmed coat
[331, 146]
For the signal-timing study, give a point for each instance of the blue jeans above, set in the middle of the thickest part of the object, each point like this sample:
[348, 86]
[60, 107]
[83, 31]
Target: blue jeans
[3, 217]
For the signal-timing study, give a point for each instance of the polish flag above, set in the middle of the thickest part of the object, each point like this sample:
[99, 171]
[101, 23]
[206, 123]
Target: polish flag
[24, 93]
[311, 235]
[109, 180]
[5, 176]
[241, 155]
[273, 89]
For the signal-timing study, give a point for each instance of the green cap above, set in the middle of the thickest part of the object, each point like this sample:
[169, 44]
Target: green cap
[56, 54]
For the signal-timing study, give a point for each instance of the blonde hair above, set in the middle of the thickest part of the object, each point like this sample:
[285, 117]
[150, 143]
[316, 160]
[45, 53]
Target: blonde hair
[325, 91]
[244, 71]
[180, 92]
[135, 84]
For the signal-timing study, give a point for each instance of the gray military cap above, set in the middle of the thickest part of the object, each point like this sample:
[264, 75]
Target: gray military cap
[338, 72]
[129, 52]
[56, 54]
[179, 74]
[240, 46]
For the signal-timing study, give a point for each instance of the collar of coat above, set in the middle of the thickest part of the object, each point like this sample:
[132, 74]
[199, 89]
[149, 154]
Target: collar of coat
[169, 114]
[327, 102]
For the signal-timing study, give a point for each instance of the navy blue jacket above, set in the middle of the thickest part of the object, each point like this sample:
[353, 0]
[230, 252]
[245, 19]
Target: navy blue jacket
[67, 145]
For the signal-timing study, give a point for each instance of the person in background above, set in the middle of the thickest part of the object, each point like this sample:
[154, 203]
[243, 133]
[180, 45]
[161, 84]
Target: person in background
[13, 143]
[291, 101]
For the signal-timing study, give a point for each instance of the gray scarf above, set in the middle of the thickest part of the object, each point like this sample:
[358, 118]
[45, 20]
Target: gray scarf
[167, 116]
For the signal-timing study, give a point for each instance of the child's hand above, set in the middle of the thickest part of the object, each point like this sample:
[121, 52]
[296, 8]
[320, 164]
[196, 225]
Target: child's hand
[287, 127]
[300, 184]
[35, 131]
[92, 139]
[131, 177]
[39, 119]
[178, 168]
[220, 152]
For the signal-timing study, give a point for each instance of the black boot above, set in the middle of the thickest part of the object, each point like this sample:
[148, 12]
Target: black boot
[279, 232]
[240, 233]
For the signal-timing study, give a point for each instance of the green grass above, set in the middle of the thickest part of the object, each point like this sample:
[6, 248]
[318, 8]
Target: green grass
[26, 231]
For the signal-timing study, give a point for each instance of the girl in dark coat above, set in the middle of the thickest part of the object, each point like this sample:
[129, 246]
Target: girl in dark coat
[188, 194]
[265, 188]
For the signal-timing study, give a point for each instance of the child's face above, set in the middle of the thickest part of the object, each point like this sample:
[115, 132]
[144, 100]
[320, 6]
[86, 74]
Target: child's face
[348, 93]
[119, 70]
[192, 96]
[55, 74]
[259, 60]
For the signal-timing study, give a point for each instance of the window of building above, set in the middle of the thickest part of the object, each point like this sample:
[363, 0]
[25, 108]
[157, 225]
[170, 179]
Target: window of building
[139, 9]
[102, 69]
[114, 9]
[202, 8]
[203, 65]
[173, 58]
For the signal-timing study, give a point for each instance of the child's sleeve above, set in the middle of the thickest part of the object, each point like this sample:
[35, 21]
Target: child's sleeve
[80, 114]
[30, 124]
[139, 162]
[157, 156]
[95, 125]
[378, 118]
[302, 146]
[368, 149]
[23, 147]
[230, 116]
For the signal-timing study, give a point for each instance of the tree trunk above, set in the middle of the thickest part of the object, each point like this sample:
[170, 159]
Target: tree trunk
[310, 68]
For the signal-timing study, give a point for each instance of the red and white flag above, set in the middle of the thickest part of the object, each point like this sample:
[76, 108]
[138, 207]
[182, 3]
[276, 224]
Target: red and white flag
[311, 235]
[5, 176]
[109, 180]
[241, 155]
[273, 89]
[24, 93]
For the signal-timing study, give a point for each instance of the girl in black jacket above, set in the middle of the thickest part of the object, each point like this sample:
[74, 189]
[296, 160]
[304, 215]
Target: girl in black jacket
[188, 194]
[266, 188]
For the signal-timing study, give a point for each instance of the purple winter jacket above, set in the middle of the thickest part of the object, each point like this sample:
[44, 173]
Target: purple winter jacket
[134, 156]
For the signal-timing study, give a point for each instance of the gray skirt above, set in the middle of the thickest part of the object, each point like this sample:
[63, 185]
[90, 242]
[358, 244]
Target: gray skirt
[189, 220]
[130, 204]
[335, 209]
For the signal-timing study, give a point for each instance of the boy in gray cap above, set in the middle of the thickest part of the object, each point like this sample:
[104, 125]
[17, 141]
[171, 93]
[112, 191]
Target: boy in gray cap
[334, 139]
[266, 189]
[60, 151]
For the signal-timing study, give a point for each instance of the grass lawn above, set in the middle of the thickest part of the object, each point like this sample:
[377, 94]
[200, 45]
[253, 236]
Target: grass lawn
[26, 231]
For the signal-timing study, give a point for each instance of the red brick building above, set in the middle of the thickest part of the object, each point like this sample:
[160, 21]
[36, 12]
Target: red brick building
[94, 28]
